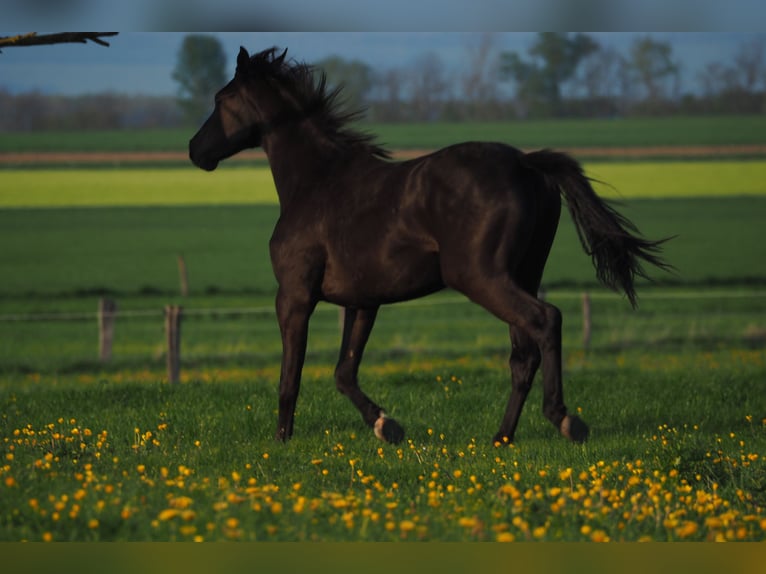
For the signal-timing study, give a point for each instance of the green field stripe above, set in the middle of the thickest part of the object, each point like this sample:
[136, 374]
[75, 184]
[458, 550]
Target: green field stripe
[254, 185]
[555, 133]
[136, 187]
[656, 180]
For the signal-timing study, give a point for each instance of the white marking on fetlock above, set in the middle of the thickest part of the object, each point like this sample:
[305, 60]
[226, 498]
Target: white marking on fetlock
[378, 427]
[566, 427]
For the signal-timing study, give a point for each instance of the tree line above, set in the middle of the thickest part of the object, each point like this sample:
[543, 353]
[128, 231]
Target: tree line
[560, 75]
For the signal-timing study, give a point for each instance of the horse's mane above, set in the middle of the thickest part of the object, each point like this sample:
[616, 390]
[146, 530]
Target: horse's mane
[308, 86]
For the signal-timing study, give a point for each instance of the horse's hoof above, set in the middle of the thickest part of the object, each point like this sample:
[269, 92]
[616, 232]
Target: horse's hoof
[574, 429]
[282, 435]
[388, 430]
[502, 440]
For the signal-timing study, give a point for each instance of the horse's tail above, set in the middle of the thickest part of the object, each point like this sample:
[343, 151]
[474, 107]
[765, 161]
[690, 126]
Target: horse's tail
[612, 241]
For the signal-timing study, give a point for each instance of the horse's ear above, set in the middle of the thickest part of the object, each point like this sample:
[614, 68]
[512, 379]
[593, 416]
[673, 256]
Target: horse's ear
[243, 59]
[281, 58]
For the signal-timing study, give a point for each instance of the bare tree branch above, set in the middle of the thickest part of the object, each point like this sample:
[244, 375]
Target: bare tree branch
[35, 39]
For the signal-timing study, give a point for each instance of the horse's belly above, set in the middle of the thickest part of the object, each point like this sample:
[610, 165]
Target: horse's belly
[376, 282]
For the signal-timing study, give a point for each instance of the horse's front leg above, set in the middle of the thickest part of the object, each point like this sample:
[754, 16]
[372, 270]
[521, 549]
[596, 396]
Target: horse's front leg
[357, 326]
[293, 315]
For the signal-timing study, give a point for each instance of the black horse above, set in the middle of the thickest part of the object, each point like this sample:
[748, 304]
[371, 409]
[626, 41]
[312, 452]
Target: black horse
[359, 230]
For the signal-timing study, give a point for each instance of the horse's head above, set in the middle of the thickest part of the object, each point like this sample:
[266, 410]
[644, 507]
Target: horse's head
[239, 117]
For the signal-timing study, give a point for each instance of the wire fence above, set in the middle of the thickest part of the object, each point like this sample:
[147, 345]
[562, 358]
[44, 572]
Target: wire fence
[234, 312]
[600, 313]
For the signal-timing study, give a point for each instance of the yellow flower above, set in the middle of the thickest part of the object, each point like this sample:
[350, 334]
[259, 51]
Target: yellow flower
[505, 537]
[406, 525]
[235, 498]
[599, 536]
[467, 522]
[180, 502]
[167, 514]
[688, 528]
[232, 523]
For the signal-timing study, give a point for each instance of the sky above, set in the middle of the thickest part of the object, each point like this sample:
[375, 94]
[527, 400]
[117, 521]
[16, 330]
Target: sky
[142, 62]
[388, 15]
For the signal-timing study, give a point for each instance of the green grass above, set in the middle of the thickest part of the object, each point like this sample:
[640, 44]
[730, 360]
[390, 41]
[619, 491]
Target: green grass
[675, 131]
[95, 452]
[675, 454]
[134, 250]
[526, 134]
[254, 185]
[136, 187]
[98, 141]
[678, 179]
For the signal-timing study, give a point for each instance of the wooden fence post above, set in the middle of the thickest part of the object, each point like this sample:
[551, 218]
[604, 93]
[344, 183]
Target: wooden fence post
[173, 315]
[586, 320]
[107, 310]
[183, 276]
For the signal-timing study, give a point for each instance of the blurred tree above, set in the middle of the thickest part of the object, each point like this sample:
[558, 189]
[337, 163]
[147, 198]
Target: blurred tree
[736, 87]
[389, 107]
[354, 76]
[554, 58]
[652, 61]
[605, 83]
[750, 63]
[480, 77]
[429, 87]
[200, 72]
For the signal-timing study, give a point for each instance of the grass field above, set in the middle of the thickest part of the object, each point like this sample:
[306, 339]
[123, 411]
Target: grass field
[674, 392]
[134, 250]
[136, 459]
[724, 130]
[254, 185]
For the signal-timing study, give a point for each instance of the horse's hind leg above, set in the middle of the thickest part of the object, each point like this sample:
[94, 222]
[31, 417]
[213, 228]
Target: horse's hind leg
[357, 326]
[525, 360]
[541, 323]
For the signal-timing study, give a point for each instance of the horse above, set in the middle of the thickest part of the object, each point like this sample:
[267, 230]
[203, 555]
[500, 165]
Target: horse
[360, 230]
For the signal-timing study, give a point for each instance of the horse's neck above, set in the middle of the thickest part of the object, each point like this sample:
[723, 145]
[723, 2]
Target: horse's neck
[298, 157]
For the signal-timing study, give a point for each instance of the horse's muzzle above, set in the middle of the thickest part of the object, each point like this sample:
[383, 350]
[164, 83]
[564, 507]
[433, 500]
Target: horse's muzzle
[200, 160]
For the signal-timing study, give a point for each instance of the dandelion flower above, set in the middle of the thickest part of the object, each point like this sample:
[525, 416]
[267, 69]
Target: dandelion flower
[167, 514]
[688, 528]
[232, 522]
[406, 525]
